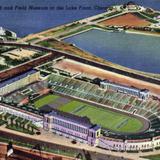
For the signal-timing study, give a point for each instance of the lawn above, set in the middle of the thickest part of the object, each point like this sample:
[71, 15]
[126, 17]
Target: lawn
[104, 117]
[20, 129]
[154, 157]
[45, 100]
[2, 122]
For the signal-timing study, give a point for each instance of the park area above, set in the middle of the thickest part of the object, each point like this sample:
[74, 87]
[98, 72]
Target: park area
[106, 118]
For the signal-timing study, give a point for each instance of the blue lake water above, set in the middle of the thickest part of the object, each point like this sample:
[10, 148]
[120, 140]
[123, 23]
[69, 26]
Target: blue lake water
[134, 51]
[30, 21]
[16, 15]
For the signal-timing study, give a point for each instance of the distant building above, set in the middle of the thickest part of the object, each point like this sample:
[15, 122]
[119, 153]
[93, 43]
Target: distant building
[72, 126]
[2, 31]
[131, 6]
[4, 34]
[142, 94]
[18, 81]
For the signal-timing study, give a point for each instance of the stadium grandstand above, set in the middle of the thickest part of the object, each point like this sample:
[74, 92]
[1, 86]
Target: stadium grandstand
[140, 93]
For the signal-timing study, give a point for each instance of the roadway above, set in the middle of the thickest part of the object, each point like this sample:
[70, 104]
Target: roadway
[153, 84]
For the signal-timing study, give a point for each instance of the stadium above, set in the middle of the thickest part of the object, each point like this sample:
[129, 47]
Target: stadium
[124, 118]
[81, 98]
[129, 123]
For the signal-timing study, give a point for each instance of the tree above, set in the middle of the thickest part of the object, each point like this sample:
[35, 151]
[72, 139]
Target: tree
[11, 120]
[23, 125]
[149, 10]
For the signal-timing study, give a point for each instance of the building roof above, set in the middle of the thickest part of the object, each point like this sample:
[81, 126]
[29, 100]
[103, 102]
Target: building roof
[131, 3]
[126, 87]
[96, 127]
[16, 78]
[73, 118]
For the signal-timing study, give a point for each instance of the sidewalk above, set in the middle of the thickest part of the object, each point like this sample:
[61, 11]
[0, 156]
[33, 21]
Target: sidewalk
[50, 137]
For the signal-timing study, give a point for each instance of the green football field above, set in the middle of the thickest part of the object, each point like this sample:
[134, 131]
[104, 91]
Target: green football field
[104, 117]
[45, 100]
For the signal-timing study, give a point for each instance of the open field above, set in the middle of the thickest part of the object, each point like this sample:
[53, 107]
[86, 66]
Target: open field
[106, 118]
[128, 19]
[45, 100]
[20, 53]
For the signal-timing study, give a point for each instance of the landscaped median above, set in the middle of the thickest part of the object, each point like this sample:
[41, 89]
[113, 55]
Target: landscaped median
[44, 147]
[18, 124]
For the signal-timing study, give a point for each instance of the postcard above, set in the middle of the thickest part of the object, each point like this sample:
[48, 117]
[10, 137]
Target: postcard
[79, 79]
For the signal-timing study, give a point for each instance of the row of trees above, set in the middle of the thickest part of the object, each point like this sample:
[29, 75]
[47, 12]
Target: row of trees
[19, 124]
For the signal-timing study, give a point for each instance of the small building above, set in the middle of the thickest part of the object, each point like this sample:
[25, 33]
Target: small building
[18, 81]
[140, 93]
[7, 33]
[72, 126]
[131, 6]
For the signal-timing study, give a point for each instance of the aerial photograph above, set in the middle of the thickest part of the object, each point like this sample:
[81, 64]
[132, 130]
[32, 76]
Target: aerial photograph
[79, 80]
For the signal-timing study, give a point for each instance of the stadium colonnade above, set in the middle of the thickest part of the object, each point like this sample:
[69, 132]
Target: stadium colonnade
[129, 145]
[140, 93]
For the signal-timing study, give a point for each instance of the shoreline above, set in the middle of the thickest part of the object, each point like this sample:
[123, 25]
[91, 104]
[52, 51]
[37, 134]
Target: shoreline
[111, 63]
[52, 32]
[142, 33]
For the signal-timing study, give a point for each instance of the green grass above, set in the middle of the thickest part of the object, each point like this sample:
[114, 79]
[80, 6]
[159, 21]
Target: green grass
[154, 157]
[45, 100]
[76, 31]
[19, 129]
[2, 122]
[104, 117]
